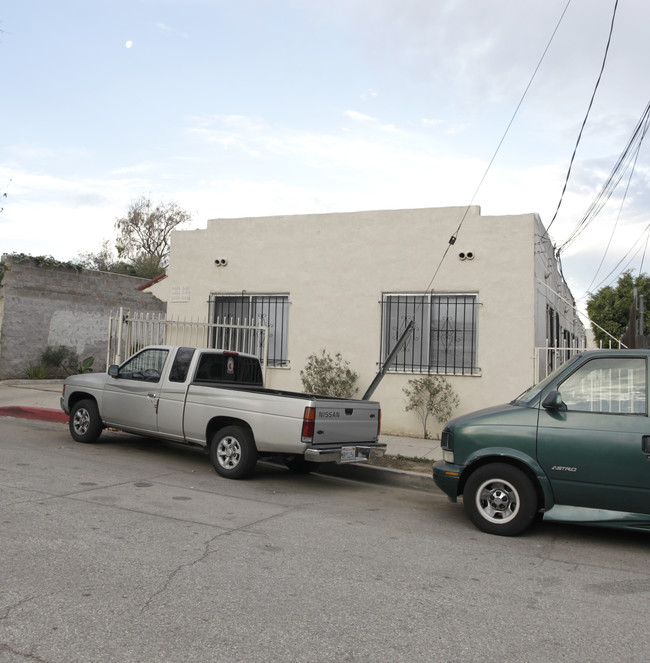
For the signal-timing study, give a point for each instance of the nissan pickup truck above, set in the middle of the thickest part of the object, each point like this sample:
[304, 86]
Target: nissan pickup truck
[573, 448]
[217, 399]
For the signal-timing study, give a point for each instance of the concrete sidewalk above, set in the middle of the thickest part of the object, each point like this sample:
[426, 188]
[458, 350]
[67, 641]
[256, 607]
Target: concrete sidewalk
[39, 399]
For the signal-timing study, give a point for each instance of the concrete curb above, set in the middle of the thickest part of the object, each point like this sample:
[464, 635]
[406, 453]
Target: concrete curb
[379, 475]
[38, 413]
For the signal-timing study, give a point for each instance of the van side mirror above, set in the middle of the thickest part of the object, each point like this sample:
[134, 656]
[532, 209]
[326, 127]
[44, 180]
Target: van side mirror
[553, 401]
[113, 370]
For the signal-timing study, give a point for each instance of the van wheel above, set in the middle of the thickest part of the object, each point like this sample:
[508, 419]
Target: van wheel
[84, 422]
[299, 465]
[500, 499]
[233, 452]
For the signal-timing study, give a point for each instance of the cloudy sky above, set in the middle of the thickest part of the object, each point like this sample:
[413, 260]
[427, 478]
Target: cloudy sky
[260, 107]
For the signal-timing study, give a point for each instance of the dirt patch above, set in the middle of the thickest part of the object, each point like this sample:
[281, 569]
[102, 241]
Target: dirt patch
[422, 465]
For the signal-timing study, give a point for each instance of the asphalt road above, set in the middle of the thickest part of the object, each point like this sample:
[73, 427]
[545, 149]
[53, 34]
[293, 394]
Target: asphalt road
[135, 551]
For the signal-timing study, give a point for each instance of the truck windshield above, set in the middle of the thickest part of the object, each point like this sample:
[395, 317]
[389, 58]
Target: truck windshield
[532, 392]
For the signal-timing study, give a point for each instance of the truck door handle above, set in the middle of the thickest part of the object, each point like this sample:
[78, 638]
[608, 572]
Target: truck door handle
[150, 395]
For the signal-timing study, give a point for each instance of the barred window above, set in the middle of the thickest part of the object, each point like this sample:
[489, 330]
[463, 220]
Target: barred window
[444, 340]
[271, 311]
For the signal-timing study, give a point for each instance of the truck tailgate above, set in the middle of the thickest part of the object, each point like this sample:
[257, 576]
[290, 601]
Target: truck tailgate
[346, 422]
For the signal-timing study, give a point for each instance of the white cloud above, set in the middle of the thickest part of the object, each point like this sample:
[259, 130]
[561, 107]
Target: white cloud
[361, 117]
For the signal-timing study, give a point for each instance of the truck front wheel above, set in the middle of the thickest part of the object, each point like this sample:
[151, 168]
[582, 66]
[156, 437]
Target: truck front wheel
[84, 421]
[500, 499]
[233, 452]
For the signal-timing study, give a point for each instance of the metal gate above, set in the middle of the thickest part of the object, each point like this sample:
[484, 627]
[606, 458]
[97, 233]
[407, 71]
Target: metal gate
[129, 331]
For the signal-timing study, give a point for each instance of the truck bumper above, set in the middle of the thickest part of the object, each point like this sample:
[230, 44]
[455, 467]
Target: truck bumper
[447, 477]
[353, 453]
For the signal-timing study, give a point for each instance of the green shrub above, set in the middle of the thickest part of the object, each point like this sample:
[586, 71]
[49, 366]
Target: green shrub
[63, 361]
[329, 376]
[35, 371]
[430, 395]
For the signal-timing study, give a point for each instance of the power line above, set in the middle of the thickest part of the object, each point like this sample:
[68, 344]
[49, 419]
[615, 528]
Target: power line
[584, 122]
[615, 270]
[628, 155]
[618, 217]
[453, 238]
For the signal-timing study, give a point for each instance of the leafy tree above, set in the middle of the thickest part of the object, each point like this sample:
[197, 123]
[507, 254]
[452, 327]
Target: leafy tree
[430, 395]
[105, 261]
[142, 244]
[329, 376]
[144, 234]
[610, 306]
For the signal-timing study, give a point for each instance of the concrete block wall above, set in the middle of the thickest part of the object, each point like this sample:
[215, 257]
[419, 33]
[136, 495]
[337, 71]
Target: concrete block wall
[44, 305]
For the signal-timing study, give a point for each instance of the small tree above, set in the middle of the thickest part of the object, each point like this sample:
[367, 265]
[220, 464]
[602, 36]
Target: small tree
[430, 395]
[143, 240]
[329, 376]
[144, 234]
[610, 306]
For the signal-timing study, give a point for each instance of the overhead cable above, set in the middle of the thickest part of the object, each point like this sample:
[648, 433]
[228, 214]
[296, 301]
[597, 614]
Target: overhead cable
[584, 122]
[453, 238]
[628, 156]
[618, 216]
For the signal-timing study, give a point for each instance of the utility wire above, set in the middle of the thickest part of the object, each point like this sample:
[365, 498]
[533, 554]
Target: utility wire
[629, 154]
[618, 216]
[584, 122]
[453, 238]
[615, 270]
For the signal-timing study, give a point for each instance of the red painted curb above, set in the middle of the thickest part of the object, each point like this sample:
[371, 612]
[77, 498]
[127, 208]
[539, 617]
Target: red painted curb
[40, 413]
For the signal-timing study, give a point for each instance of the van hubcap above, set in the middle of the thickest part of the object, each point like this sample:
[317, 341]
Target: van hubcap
[497, 500]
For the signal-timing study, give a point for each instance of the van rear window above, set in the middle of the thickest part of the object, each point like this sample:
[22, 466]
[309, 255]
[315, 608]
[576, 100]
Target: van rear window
[215, 367]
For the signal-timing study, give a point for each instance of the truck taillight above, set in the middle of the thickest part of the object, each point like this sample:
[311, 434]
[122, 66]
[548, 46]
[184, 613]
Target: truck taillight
[308, 424]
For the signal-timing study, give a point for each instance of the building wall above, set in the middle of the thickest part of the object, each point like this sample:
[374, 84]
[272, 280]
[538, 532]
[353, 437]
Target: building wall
[335, 267]
[43, 306]
[556, 318]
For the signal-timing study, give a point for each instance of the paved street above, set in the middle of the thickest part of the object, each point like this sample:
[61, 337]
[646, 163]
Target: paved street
[135, 551]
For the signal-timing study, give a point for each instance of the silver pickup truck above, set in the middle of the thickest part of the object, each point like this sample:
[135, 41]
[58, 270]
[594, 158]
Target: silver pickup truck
[217, 399]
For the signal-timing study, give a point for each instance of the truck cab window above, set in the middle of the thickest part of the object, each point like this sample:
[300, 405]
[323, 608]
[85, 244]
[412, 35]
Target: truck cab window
[181, 365]
[220, 367]
[146, 366]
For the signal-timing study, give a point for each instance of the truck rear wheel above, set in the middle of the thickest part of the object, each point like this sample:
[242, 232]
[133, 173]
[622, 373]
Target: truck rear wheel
[500, 499]
[233, 452]
[84, 422]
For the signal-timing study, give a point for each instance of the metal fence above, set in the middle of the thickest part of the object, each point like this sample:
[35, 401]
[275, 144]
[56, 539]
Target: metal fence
[548, 358]
[129, 332]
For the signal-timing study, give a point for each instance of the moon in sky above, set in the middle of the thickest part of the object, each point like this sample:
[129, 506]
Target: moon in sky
[129, 44]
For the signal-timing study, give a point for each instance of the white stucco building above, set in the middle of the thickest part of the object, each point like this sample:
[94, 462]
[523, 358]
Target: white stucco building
[350, 282]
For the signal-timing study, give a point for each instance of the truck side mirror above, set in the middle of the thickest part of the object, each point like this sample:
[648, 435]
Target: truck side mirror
[113, 370]
[553, 401]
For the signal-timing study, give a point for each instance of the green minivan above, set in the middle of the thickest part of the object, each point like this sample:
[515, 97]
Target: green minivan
[573, 448]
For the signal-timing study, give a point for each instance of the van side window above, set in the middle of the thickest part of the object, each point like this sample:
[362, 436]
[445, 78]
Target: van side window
[181, 365]
[608, 386]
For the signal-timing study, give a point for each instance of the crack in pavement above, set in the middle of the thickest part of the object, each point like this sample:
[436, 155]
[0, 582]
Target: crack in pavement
[206, 552]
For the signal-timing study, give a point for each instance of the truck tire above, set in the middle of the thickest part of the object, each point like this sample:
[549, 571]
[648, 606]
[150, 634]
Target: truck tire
[500, 499]
[84, 422]
[233, 452]
[299, 465]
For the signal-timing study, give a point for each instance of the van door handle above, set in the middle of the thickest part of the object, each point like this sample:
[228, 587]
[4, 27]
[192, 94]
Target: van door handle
[645, 444]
